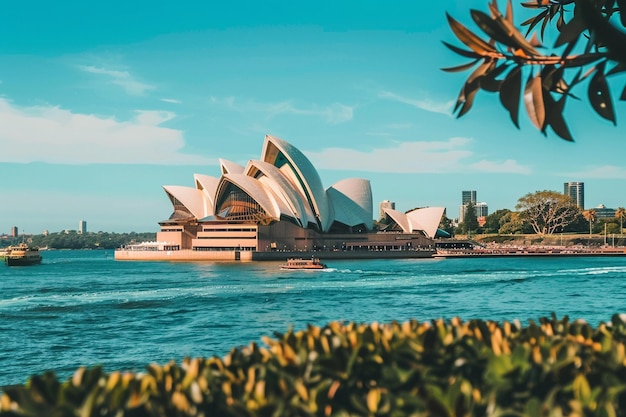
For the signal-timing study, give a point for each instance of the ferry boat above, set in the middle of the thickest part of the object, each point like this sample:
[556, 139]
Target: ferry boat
[299, 263]
[22, 254]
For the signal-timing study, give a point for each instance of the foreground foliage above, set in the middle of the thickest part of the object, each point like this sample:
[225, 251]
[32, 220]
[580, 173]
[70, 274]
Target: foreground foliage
[438, 368]
[590, 44]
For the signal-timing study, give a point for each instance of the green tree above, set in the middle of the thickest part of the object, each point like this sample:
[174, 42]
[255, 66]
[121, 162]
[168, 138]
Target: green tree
[470, 220]
[492, 222]
[590, 215]
[547, 211]
[506, 56]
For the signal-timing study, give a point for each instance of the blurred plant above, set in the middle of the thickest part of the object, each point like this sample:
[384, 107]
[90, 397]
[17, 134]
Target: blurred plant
[508, 55]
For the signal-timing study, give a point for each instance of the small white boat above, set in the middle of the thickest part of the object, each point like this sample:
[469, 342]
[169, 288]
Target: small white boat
[299, 263]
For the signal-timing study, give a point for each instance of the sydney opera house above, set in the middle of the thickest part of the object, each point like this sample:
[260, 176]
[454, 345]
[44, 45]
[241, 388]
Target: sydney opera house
[277, 206]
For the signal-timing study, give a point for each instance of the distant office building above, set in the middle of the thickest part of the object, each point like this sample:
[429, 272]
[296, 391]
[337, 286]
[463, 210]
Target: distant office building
[468, 196]
[603, 212]
[82, 227]
[14, 231]
[576, 190]
[482, 210]
[383, 205]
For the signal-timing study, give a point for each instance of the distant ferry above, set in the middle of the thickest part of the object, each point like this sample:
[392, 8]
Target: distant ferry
[22, 254]
[299, 263]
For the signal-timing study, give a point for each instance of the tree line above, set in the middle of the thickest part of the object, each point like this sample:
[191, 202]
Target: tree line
[542, 213]
[75, 240]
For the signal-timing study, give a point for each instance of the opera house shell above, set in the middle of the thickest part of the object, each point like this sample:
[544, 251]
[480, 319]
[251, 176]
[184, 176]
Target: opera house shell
[279, 204]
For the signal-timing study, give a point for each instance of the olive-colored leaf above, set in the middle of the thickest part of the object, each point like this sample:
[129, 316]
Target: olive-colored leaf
[460, 68]
[490, 82]
[514, 35]
[491, 28]
[600, 95]
[533, 100]
[509, 12]
[510, 92]
[472, 85]
[462, 52]
[554, 117]
[533, 21]
[471, 40]
[571, 31]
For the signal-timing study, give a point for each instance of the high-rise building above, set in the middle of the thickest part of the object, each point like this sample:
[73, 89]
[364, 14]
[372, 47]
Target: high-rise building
[482, 210]
[576, 190]
[82, 227]
[14, 231]
[468, 196]
[383, 205]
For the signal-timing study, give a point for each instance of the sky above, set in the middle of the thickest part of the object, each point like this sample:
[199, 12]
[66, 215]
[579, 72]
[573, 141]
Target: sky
[103, 103]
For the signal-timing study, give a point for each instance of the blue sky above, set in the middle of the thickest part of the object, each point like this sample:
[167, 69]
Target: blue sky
[103, 103]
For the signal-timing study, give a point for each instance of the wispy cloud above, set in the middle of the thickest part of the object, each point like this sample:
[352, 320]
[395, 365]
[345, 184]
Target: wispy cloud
[423, 104]
[171, 100]
[449, 156]
[601, 172]
[334, 113]
[120, 78]
[54, 135]
[406, 157]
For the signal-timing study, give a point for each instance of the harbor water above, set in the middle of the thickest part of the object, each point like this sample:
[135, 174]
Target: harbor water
[83, 308]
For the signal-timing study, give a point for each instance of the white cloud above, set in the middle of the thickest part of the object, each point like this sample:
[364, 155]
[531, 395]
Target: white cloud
[334, 113]
[171, 100]
[601, 172]
[509, 166]
[121, 78]
[406, 157]
[54, 135]
[423, 104]
[449, 156]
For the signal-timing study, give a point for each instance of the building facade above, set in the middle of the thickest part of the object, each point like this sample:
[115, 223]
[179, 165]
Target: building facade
[82, 227]
[467, 197]
[278, 203]
[576, 191]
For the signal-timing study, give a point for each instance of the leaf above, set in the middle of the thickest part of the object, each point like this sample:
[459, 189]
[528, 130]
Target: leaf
[600, 95]
[534, 20]
[623, 96]
[460, 67]
[489, 82]
[475, 43]
[533, 99]
[513, 34]
[471, 87]
[462, 52]
[491, 28]
[571, 31]
[510, 91]
[554, 117]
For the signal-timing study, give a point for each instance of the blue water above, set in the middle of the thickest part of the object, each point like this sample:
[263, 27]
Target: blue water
[83, 308]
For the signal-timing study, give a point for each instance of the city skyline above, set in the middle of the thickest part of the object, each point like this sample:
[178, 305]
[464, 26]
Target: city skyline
[102, 106]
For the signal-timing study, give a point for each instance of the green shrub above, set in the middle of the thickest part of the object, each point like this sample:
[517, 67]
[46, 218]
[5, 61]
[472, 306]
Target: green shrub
[437, 368]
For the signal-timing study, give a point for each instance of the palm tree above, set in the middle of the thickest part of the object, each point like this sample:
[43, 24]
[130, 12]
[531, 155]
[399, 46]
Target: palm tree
[620, 213]
[590, 216]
